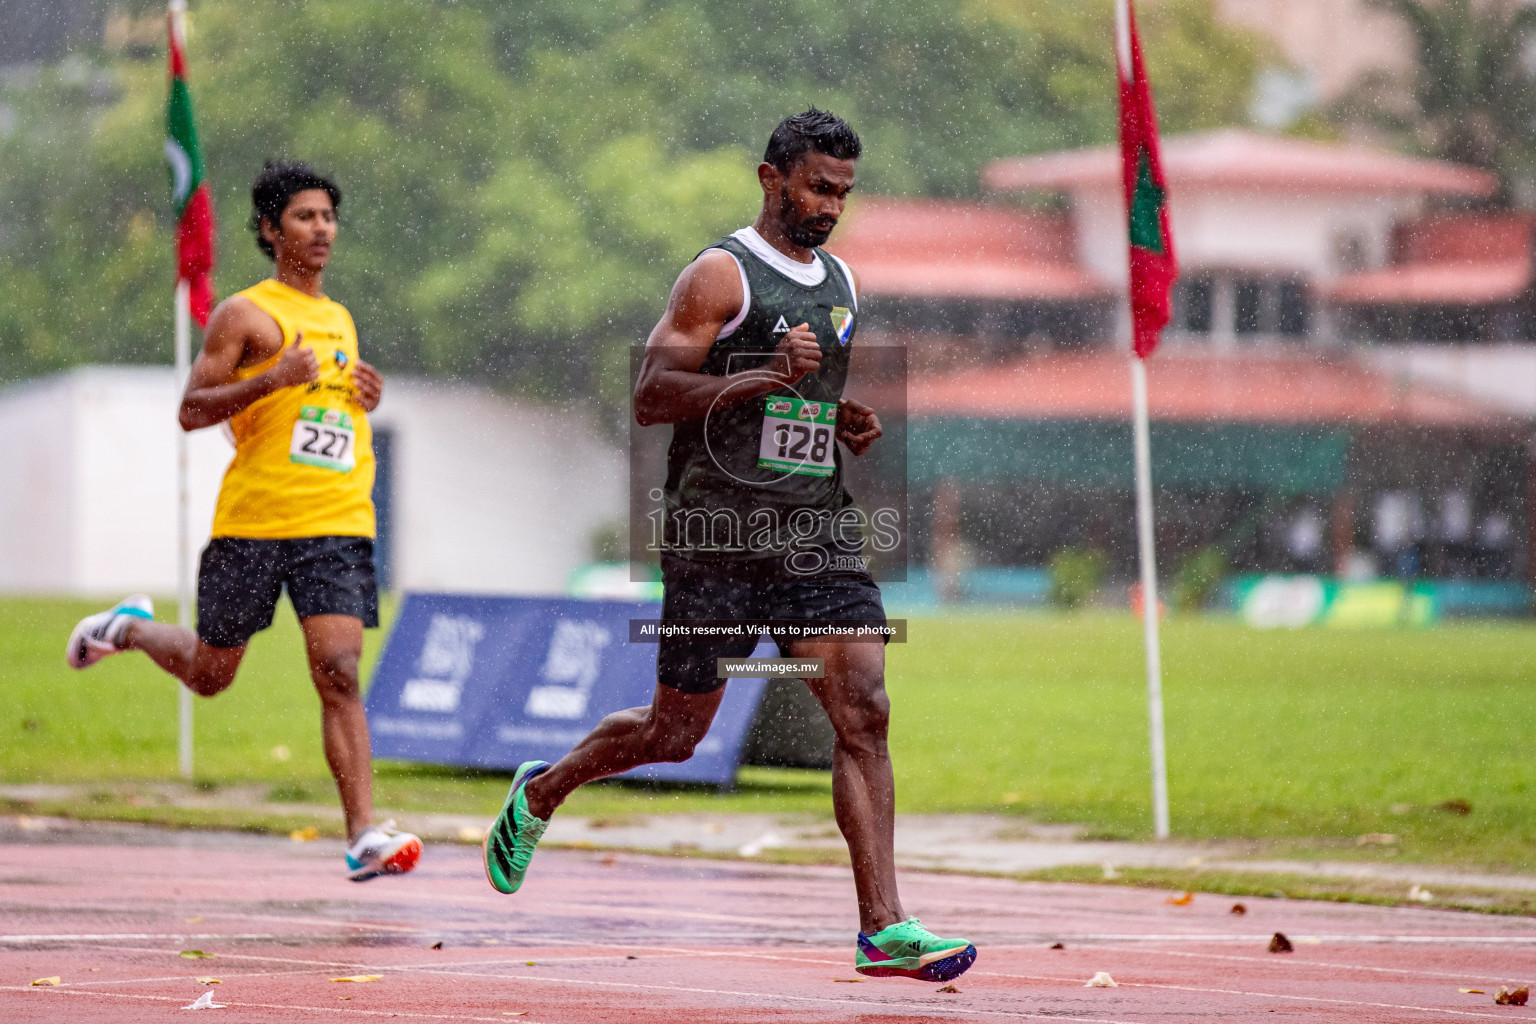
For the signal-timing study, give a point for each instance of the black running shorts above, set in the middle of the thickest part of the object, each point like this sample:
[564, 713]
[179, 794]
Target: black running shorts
[239, 581]
[740, 591]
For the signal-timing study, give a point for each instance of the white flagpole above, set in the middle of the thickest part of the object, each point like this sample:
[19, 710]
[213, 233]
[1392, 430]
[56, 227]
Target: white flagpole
[1145, 537]
[178, 14]
[1149, 603]
[184, 516]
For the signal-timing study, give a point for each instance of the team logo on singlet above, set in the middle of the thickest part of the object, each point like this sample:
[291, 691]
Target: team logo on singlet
[781, 327]
[341, 359]
[842, 322]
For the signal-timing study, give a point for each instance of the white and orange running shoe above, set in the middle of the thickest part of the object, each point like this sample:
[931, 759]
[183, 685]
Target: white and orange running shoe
[382, 850]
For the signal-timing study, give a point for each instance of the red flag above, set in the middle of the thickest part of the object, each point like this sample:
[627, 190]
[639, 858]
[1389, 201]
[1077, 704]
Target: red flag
[189, 192]
[1152, 262]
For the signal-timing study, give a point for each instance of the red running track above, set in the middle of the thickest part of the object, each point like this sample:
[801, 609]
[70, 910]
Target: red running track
[628, 938]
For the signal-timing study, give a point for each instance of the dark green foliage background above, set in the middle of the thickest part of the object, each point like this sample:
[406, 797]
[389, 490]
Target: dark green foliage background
[523, 181]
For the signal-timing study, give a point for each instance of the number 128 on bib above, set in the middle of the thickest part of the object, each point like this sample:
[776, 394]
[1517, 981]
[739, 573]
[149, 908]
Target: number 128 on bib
[798, 437]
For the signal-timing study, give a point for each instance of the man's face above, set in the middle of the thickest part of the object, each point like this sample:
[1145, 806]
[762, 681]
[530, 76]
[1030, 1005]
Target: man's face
[810, 197]
[306, 231]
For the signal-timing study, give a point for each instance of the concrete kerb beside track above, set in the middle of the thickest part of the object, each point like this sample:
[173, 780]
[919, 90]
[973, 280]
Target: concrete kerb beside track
[979, 843]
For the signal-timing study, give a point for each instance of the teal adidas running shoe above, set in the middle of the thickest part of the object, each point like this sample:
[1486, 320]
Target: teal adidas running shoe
[513, 836]
[908, 950]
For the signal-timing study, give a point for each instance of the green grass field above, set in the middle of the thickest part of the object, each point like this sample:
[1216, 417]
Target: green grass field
[1307, 739]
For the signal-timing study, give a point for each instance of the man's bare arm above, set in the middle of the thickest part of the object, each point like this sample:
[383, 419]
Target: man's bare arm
[211, 397]
[705, 298]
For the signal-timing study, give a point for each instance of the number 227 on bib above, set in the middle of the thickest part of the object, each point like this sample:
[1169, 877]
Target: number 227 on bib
[324, 438]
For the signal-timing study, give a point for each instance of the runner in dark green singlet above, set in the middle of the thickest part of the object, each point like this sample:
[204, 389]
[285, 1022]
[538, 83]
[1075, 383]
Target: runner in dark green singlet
[748, 364]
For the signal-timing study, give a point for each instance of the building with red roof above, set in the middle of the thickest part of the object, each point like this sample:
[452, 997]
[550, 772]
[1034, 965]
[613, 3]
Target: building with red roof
[1299, 381]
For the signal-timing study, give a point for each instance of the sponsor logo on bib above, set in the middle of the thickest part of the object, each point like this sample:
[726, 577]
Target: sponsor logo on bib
[810, 411]
[781, 406]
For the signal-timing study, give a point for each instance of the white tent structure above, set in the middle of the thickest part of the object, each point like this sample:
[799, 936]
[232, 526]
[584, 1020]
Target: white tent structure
[486, 494]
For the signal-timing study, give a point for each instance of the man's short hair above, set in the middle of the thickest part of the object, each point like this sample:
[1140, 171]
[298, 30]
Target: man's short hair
[278, 182]
[813, 131]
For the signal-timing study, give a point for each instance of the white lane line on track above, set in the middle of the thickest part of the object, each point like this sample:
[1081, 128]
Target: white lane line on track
[607, 911]
[447, 970]
[326, 922]
[140, 936]
[364, 966]
[1262, 995]
[301, 971]
[892, 1008]
[468, 969]
[1072, 981]
[895, 1009]
[355, 1011]
[455, 971]
[1344, 938]
[1417, 972]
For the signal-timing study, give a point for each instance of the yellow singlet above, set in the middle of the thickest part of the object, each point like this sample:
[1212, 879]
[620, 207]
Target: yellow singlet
[303, 463]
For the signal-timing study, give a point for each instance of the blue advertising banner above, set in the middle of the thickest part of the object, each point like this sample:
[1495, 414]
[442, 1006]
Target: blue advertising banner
[491, 682]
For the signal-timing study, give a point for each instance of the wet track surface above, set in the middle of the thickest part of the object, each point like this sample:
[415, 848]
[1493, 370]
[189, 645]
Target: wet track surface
[620, 937]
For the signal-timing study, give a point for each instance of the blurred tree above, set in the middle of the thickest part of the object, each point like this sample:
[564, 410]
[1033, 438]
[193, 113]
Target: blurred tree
[523, 181]
[1471, 94]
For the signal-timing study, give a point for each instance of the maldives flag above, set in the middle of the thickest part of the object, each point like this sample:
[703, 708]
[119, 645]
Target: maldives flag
[189, 193]
[1153, 266]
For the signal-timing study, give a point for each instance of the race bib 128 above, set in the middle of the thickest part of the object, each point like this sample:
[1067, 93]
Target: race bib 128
[324, 438]
[798, 436]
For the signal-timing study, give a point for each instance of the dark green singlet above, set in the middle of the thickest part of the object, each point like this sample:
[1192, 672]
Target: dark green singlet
[720, 504]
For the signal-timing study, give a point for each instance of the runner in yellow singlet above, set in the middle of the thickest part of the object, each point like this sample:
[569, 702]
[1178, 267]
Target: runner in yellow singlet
[280, 365]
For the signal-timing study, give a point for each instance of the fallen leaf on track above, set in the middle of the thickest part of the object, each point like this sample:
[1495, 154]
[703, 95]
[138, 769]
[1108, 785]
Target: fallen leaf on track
[1058, 945]
[1238, 909]
[197, 954]
[204, 1002]
[436, 945]
[950, 989]
[1281, 944]
[307, 834]
[849, 981]
[1516, 997]
[1472, 991]
[192, 920]
[1180, 901]
[209, 981]
[51, 982]
[1102, 980]
[360, 978]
